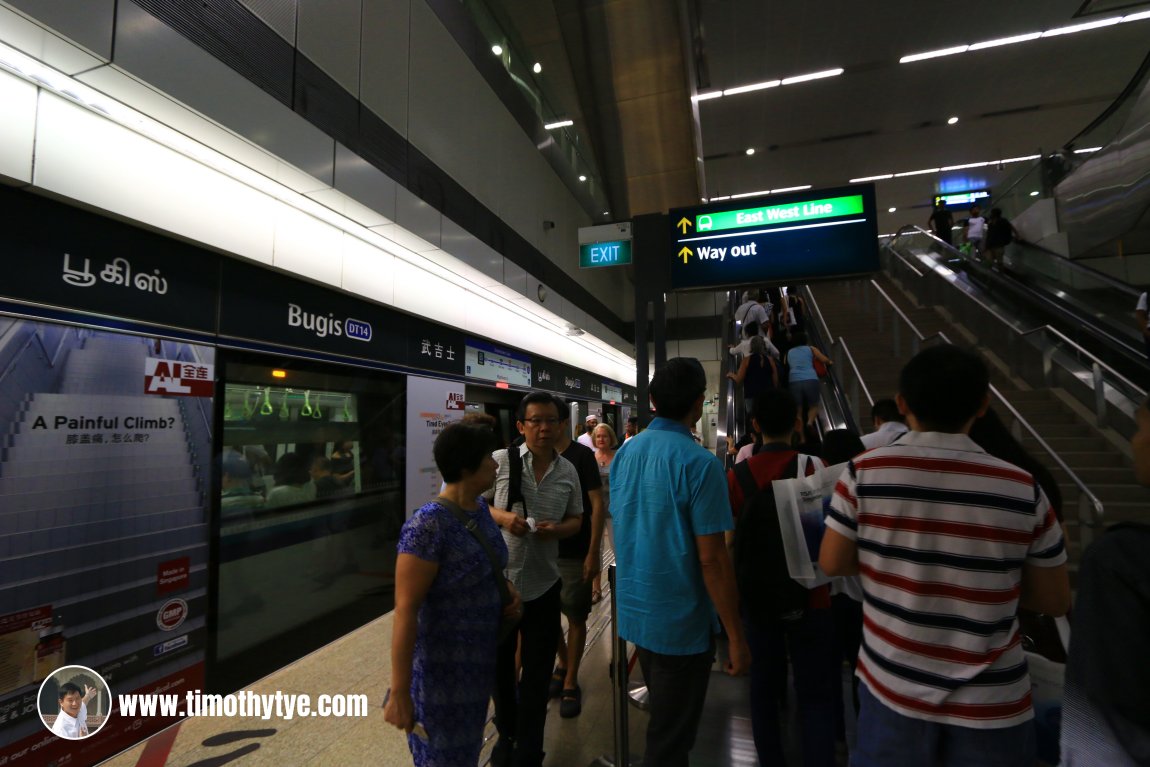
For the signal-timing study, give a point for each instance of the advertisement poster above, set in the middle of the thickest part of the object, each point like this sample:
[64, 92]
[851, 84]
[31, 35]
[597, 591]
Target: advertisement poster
[431, 405]
[104, 474]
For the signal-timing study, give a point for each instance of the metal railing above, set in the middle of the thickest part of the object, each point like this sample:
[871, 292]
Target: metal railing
[1043, 356]
[854, 383]
[1091, 510]
[842, 411]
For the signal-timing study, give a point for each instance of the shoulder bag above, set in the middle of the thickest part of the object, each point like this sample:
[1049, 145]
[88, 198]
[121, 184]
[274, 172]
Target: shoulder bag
[507, 625]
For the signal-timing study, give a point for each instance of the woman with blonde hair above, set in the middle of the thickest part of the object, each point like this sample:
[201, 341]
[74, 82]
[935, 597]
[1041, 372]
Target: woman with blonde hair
[605, 442]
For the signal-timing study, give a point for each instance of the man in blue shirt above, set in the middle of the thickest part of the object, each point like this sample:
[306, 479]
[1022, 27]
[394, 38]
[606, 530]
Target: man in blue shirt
[670, 513]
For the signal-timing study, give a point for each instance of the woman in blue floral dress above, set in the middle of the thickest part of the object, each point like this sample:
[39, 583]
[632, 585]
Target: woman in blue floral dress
[447, 610]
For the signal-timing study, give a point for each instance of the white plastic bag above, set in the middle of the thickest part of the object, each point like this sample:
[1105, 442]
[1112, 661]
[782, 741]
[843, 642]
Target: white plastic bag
[800, 506]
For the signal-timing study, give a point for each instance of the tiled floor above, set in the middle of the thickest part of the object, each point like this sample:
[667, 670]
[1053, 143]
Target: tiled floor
[360, 663]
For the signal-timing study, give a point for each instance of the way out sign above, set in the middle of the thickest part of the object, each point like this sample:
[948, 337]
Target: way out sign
[595, 254]
[188, 379]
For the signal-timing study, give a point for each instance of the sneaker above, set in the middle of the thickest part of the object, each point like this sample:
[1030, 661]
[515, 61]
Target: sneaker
[572, 703]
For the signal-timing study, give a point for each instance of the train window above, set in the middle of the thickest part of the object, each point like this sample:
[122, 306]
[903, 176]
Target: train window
[311, 503]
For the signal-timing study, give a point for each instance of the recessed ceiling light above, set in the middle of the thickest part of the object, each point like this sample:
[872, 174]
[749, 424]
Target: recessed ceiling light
[1034, 194]
[558, 124]
[606, 213]
[582, 178]
[891, 210]
[952, 121]
[497, 50]
[537, 68]
[750, 150]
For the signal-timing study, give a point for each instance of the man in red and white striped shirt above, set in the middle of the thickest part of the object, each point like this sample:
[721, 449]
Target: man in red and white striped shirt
[949, 542]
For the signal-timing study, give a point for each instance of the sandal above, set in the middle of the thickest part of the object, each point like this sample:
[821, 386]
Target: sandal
[572, 703]
[558, 677]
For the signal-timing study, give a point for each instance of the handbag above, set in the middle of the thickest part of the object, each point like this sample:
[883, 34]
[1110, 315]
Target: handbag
[819, 366]
[507, 625]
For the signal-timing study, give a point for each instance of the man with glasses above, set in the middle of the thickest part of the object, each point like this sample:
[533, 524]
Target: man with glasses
[536, 500]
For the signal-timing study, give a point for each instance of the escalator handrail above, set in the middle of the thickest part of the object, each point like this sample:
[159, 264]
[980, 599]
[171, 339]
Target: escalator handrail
[809, 297]
[1092, 273]
[1099, 509]
[1041, 328]
[824, 335]
[842, 342]
[1131, 88]
[1084, 319]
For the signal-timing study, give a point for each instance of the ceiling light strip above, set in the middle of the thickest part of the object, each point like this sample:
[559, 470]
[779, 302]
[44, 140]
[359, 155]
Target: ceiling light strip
[752, 87]
[765, 84]
[1004, 41]
[813, 76]
[150, 128]
[1024, 38]
[558, 124]
[965, 166]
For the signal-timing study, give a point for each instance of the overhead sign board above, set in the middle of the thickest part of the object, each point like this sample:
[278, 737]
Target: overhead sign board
[780, 239]
[598, 254]
[961, 199]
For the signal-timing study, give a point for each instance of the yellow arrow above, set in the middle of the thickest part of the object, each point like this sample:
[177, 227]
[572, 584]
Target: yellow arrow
[686, 252]
[684, 222]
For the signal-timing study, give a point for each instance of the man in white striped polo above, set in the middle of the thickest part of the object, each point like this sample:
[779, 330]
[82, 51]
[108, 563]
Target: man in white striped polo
[548, 507]
[949, 542]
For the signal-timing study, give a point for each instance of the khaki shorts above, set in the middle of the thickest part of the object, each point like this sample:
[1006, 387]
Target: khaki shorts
[575, 597]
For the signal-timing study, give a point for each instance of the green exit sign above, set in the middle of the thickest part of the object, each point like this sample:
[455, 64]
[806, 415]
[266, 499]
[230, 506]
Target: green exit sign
[596, 254]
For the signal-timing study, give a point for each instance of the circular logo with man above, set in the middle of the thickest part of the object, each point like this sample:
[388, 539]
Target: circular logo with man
[74, 702]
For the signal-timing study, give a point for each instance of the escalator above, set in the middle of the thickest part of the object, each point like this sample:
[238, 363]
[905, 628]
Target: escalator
[839, 405]
[1086, 205]
[1038, 288]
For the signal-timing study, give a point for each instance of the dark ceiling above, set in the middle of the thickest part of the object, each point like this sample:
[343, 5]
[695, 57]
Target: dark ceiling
[620, 69]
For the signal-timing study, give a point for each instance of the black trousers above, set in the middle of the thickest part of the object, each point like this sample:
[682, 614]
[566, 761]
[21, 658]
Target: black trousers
[678, 688]
[521, 708]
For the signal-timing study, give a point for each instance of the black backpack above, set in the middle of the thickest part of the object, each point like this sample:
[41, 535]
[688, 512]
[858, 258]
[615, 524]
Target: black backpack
[766, 588]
